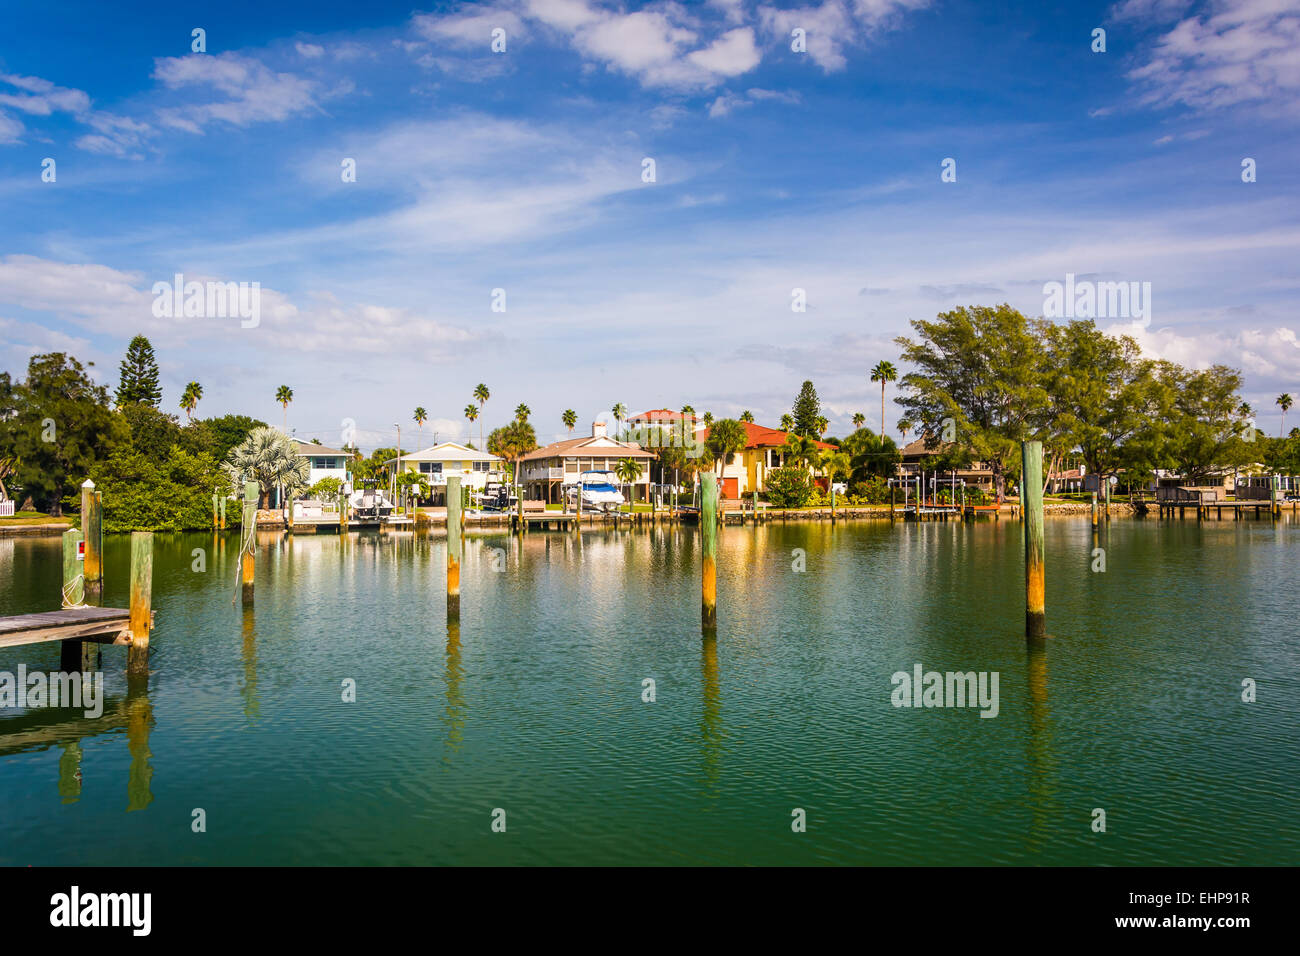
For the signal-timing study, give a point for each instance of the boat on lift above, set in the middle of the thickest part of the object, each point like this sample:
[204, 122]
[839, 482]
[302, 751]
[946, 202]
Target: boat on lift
[599, 491]
[369, 503]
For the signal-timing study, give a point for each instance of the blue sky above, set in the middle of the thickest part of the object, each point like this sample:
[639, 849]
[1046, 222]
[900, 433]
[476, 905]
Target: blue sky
[522, 171]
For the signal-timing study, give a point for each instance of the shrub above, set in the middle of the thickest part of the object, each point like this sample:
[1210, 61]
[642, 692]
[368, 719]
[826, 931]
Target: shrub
[788, 487]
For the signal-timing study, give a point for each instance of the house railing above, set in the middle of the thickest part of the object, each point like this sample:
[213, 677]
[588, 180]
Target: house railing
[6, 509]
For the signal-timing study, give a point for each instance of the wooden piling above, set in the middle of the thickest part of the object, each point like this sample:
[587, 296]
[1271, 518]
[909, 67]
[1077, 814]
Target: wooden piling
[1094, 511]
[247, 554]
[1105, 488]
[343, 512]
[709, 551]
[455, 517]
[74, 590]
[141, 600]
[1031, 503]
[1276, 510]
[92, 533]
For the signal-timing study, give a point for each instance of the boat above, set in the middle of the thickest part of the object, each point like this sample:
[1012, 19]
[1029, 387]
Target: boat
[599, 491]
[495, 496]
[369, 503]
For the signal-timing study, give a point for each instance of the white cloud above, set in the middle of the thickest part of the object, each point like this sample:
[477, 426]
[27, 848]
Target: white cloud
[1245, 52]
[253, 92]
[41, 97]
[832, 26]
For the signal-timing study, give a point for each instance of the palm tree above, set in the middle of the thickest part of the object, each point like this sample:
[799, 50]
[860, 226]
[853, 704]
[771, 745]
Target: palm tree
[823, 423]
[1284, 402]
[190, 399]
[787, 422]
[420, 416]
[628, 470]
[904, 426]
[802, 450]
[708, 419]
[882, 373]
[271, 459]
[747, 416]
[570, 418]
[522, 412]
[688, 410]
[481, 395]
[858, 419]
[620, 411]
[471, 412]
[726, 439]
[284, 395]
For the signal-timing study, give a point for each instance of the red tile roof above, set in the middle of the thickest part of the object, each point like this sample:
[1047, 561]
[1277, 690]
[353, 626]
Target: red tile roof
[760, 436]
[658, 415]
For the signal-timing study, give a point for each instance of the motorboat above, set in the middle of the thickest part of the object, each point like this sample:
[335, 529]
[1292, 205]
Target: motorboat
[599, 491]
[369, 503]
[495, 496]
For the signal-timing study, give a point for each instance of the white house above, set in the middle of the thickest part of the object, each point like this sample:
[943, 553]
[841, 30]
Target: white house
[546, 471]
[449, 459]
[325, 462]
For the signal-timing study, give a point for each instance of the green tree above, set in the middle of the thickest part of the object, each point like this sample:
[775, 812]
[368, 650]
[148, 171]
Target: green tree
[481, 395]
[807, 409]
[628, 470]
[788, 487]
[522, 412]
[620, 412]
[227, 431]
[420, 416]
[725, 440]
[284, 395]
[870, 455]
[801, 450]
[570, 419]
[190, 399]
[1284, 402]
[512, 442]
[747, 416]
[883, 373]
[471, 413]
[138, 375]
[978, 371]
[1203, 426]
[54, 427]
[271, 459]
[859, 418]
[787, 422]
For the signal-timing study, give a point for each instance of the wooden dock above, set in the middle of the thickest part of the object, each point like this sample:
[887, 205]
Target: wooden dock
[103, 625]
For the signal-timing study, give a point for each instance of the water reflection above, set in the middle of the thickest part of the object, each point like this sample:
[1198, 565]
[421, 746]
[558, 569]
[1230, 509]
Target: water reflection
[454, 713]
[139, 724]
[248, 654]
[1040, 758]
[710, 714]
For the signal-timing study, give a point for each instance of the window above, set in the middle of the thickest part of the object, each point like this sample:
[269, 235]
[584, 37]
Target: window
[483, 466]
[319, 462]
[431, 467]
[774, 457]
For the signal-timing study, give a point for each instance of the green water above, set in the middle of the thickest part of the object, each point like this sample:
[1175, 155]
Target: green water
[535, 705]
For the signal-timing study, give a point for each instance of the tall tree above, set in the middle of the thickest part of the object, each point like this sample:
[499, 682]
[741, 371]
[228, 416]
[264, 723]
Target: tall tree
[271, 459]
[481, 395]
[787, 422]
[190, 399]
[1200, 412]
[978, 371]
[807, 409]
[512, 442]
[471, 412]
[138, 375]
[522, 412]
[54, 427]
[420, 416]
[859, 419]
[725, 440]
[570, 419]
[620, 412]
[747, 416]
[1284, 402]
[883, 373]
[284, 395]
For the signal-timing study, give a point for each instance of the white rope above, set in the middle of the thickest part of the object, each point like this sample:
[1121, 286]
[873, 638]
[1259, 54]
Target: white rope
[246, 546]
[70, 588]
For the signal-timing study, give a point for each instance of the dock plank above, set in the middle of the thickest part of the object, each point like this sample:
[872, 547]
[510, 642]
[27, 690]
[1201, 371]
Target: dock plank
[104, 624]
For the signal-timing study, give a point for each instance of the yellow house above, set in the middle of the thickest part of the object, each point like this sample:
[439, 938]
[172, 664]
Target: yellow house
[764, 450]
[437, 463]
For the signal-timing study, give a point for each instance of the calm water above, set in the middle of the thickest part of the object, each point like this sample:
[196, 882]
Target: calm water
[534, 706]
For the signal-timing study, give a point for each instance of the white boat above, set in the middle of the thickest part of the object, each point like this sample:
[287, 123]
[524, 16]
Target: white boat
[369, 503]
[495, 496]
[599, 491]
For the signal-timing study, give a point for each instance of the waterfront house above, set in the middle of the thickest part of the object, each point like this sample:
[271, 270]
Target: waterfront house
[764, 450]
[544, 473]
[324, 462]
[447, 459]
[918, 457]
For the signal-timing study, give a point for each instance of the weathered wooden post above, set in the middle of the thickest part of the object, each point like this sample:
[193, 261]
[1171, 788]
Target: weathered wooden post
[343, 512]
[1105, 487]
[519, 510]
[454, 537]
[577, 524]
[1276, 510]
[92, 533]
[709, 552]
[1094, 511]
[832, 484]
[248, 531]
[891, 502]
[141, 619]
[75, 655]
[1031, 504]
